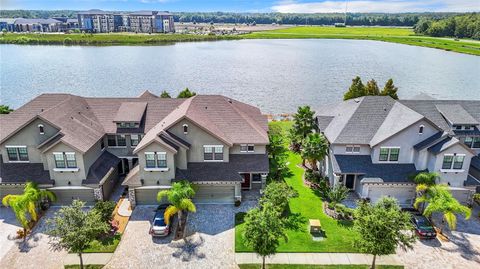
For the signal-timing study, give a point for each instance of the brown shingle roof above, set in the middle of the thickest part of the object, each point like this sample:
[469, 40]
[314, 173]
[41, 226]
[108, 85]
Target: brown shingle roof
[130, 112]
[84, 120]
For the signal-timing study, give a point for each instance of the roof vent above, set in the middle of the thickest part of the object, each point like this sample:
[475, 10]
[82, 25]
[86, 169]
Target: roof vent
[356, 100]
[384, 109]
[230, 101]
[41, 109]
[206, 107]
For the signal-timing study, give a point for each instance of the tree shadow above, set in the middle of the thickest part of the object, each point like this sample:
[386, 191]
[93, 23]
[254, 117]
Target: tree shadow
[294, 221]
[188, 248]
[345, 223]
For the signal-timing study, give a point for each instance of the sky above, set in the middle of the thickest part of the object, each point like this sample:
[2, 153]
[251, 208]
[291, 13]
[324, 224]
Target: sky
[284, 6]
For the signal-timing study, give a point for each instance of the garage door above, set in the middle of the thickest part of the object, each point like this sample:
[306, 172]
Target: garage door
[148, 196]
[404, 194]
[10, 189]
[462, 195]
[210, 194]
[66, 196]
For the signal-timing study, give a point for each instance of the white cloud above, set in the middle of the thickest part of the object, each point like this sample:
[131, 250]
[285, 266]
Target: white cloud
[391, 6]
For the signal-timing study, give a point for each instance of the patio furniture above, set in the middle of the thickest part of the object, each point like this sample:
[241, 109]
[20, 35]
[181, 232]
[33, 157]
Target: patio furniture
[315, 226]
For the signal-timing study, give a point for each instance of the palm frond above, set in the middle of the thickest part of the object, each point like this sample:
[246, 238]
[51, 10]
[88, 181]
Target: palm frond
[187, 204]
[162, 194]
[169, 212]
[451, 220]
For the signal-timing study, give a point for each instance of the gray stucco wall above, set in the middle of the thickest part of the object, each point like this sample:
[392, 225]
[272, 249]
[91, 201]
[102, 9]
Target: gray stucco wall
[405, 139]
[30, 136]
[341, 149]
[151, 177]
[91, 156]
[197, 137]
[455, 177]
[126, 151]
[62, 178]
[259, 149]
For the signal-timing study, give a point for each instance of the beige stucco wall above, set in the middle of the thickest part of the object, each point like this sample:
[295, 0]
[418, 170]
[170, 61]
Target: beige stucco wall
[30, 136]
[151, 177]
[91, 156]
[197, 137]
[456, 177]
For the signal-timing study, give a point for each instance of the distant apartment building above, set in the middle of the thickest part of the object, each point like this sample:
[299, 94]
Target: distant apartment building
[99, 21]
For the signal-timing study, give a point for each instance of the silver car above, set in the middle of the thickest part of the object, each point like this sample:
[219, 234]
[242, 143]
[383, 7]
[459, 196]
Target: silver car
[159, 226]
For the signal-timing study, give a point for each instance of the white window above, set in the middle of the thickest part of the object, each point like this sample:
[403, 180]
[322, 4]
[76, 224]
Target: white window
[389, 154]
[65, 160]
[453, 161]
[352, 149]
[155, 159]
[213, 153]
[117, 140]
[247, 148]
[17, 153]
[41, 129]
[185, 128]
[135, 139]
[420, 129]
[472, 142]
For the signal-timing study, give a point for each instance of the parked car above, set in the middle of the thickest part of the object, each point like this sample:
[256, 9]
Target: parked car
[423, 227]
[159, 226]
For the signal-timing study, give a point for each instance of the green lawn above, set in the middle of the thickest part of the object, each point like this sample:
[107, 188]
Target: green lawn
[339, 234]
[308, 266]
[388, 34]
[85, 266]
[104, 246]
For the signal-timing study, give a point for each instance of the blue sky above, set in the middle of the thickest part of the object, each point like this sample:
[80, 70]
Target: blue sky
[293, 6]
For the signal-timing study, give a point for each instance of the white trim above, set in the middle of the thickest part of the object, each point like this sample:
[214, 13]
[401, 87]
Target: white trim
[18, 161]
[353, 149]
[209, 146]
[213, 161]
[452, 170]
[156, 169]
[66, 169]
[388, 155]
[43, 127]
[421, 127]
[15, 146]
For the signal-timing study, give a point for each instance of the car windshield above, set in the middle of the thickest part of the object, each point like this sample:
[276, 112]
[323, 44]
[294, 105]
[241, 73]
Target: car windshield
[423, 222]
[159, 222]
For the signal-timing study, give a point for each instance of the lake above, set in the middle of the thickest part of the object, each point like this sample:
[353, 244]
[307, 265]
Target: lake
[276, 75]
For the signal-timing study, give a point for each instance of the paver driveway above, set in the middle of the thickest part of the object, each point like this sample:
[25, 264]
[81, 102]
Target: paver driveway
[36, 252]
[463, 250]
[210, 243]
[8, 230]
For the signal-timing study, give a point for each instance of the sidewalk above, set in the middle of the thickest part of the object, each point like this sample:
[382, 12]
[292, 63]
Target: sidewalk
[88, 258]
[316, 258]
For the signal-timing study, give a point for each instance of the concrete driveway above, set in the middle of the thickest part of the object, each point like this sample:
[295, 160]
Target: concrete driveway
[462, 251]
[35, 252]
[209, 244]
[8, 230]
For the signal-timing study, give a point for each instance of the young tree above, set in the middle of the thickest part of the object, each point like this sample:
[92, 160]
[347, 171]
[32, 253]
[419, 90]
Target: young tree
[382, 228]
[186, 93]
[295, 141]
[372, 88]
[165, 94]
[26, 204]
[390, 89]
[73, 228]
[263, 230]
[278, 194]
[337, 194]
[4, 109]
[314, 149]
[441, 200]
[277, 156]
[180, 198]
[357, 89]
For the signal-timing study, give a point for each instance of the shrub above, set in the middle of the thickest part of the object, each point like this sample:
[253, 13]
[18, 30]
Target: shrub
[476, 198]
[67, 41]
[312, 176]
[25, 40]
[105, 209]
[337, 194]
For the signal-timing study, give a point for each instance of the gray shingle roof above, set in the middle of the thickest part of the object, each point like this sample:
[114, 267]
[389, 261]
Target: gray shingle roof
[456, 114]
[443, 144]
[130, 112]
[100, 167]
[471, 181]
[475, 162]
[224, 171]
[23, 172]
[427, 142]
[362, 164]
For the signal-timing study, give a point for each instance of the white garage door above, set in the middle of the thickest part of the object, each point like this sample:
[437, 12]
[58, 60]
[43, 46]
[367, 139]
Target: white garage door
[66, 196]
[404, 194]
[148, 196]
[212, 194]
[10, 189]
[462, 195]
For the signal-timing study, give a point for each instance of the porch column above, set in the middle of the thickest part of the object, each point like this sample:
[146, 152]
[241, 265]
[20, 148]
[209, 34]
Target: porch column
[238, 192]
[130, 164]
[264, 180]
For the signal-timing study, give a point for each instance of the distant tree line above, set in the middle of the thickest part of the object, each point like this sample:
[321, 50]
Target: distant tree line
[367, 19]
[462, 26]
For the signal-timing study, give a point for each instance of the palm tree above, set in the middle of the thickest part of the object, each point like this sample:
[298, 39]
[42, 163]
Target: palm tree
[27, 203]
[440, 200]
[304, 122]
[180, 198]
[424, 181]
[315, 148]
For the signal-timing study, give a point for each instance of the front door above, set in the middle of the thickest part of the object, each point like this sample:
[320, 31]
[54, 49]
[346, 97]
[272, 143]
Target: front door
[350, 182]
[246, 181]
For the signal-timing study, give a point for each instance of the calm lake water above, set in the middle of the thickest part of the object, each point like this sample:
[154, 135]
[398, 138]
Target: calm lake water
[276, 75]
